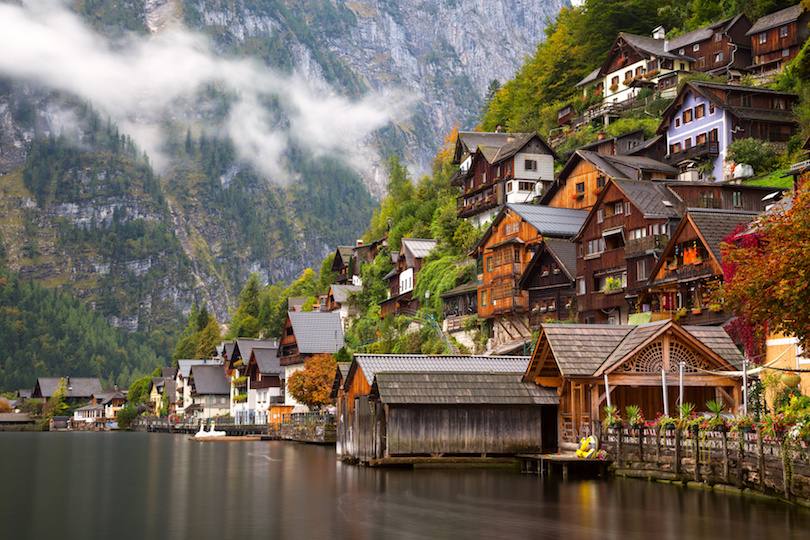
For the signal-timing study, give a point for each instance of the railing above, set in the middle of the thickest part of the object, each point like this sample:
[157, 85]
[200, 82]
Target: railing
[308, 419]
[477, 207]
[710, 148]
[686, 272]
[648, 243]
[507, 270]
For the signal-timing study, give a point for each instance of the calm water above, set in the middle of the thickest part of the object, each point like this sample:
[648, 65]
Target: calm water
[146, 486]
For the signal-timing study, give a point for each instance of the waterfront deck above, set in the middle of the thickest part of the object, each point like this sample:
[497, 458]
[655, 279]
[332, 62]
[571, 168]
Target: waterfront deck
[563, 465]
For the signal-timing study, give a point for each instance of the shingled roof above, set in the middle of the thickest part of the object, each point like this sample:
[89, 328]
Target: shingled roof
[267, 361]
[778, 18]
[316, 332]
[470, 141]
[341, 293]
[704, 32]
[371, 364]
[715, 225]
[75, 387]
[653, 199]
[654, 47]
[184, 365]
[415, 248]
[461, 388]
[550, 221]
[210, 380]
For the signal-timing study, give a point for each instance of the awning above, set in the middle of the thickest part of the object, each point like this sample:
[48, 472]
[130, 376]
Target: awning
[613, 230]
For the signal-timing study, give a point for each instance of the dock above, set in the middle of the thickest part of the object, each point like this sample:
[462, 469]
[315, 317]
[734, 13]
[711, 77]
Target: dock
[563, 465]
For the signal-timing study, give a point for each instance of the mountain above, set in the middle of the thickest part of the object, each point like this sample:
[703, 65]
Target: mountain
[153, 155]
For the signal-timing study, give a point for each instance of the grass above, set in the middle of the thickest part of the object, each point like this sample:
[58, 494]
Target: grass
[774, 179]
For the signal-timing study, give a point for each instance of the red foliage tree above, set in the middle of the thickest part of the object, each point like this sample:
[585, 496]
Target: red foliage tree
[312, 385]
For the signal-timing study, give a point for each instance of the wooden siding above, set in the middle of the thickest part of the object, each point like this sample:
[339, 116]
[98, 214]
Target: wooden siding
[288, 347]
[771, 50]
[429, 430]
[347, 399]
[567, 197]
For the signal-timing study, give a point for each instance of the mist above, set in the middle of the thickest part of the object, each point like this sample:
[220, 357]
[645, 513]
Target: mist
[140, 81]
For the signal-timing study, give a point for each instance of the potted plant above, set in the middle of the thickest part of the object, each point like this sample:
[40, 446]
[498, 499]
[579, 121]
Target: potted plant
[686, 413]
[743, 423]
[614, 87]
[679, 314]
[634, 416]
[664, 422]
[716, 421]
[612, 418]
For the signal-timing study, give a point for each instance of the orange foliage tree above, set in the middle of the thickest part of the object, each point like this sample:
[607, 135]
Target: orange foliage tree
[312, 385]
[767, 269]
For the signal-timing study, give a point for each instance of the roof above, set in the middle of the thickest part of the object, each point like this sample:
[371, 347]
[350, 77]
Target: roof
[565, 252]
[461, 388]
[589, 78]
[639, 131]
[703, 33]
[511, 148]
[317, 332]
[267, 361]
[415, 248]
[470, 141]
[295, 303]
[580, 349]
[169, 372]
[184, 366]
[15, 418]
[341, 292]
[228, 352]
[649, 197]
[776, 19]
[244, 347]
[75, 387]
[715, 225]
[371, 364]
[461, 289]
[550, 221]
[210, 380]
[651, 46]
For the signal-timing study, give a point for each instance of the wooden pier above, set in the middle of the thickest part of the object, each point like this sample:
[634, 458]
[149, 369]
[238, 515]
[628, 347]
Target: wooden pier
[563, 465]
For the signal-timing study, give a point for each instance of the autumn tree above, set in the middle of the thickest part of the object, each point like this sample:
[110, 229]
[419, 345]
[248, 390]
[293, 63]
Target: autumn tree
[767, 270]
[312, 385]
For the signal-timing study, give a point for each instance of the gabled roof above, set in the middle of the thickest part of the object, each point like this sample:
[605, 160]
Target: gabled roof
[589, 78]
[228, 347]
[461, 388]
[341, 373]
[653, 199]
[184, 366]
[635, 132]
[776, 19]
[706, 32]
[210, 380]
[316, 332]
[370, 364]
[267, 361]
[562, 251]
[341, 293]
[75, 387]
[712, 227]
[169, 372]
[547, 220]
[470, 141]
[579, 349]
[461, 289]
[646, 47]
[511, 148]
[342, 256]
[415, 248]
[244, 347]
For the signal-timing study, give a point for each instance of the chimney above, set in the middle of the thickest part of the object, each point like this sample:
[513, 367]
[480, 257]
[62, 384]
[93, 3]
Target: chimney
[659, 33]
[358, 242]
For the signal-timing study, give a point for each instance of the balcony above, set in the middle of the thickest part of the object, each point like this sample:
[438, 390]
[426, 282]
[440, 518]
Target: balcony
[509, 270]
[463, 211]
[638, 246]
[715, 203]
[686, 272]
[510, 304]
[707, 149]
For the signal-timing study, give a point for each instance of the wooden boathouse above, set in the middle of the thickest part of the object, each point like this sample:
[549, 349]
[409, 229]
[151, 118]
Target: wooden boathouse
[396, 408]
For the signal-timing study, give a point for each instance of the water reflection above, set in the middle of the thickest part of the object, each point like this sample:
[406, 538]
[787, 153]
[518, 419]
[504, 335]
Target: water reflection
[135, 485]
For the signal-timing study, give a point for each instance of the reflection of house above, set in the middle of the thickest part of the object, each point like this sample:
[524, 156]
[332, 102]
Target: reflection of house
[717, 47]
[706, 117]
[503, 253]
[210, 391]
[400, 405]
[306, 334]
[618, 245]
[586, 173]
[691, 266]
[777, 39]
[550, 279]
[577, 359]
[499, 168]
[402, 279]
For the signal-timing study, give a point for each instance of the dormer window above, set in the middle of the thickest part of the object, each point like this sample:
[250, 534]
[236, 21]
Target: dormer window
[696, 47]
[783, 31]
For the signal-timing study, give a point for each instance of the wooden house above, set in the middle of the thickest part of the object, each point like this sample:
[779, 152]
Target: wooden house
[395, 406]
[550, 279]
[618, 245]
[499, 168]
[566, 114]
[306, 334]
[586, 173]
[337, 300]
[402, 279]
[236, 371]
[777, 38]
[76, 389]
[690, 266]
[265, 387]
[183, 398]
[717, 47]
[706, 117]
[635, 365]
[345, 264]
[503, 253]
[210, 391]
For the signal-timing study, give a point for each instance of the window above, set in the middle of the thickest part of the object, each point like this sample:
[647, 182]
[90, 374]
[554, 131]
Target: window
[687, 142]
[600, 182]
[627, 208]
[639, 70]
[600, 216]
[614, 81]
[628, 75]
[677, 122]
[617, 208]
[483, 298]
[763, 38]
[484, 178]
[696, 47]
[746, 101]
[674, 148]
[526, 186]
[711, 108]
[489, 264]
[702, 62]
[736, 199]
[595, 247]
[718, 56]
[718, 36]
[700, 139]
[580, 286]
[783, 31]
[509, 187]
[713, 135]
[681, 51]
[641, 270]
[785, 52]
[531, 165]
[779, 103]
[687, 116]
[700, 111]
[581, 187]
[635, 234]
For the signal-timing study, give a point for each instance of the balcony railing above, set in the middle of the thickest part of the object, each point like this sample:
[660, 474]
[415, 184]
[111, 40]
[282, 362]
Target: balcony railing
[643, 245]
[700, 202]
[511, 270]
[463, 211]
[686, 272]
[707, 149]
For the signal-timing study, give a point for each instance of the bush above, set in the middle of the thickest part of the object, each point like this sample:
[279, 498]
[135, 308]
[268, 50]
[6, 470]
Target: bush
[755, 152]
[126, 416]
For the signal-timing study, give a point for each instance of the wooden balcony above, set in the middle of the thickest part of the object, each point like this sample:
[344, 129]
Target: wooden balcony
[509, 270]
[715, 203]
[639, 246]
[509, 304]
[477, 207]
[686, 272]
[707, 149]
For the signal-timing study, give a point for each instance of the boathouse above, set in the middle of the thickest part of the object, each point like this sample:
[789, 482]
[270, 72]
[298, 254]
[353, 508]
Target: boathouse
[638, 365]
[392, 407]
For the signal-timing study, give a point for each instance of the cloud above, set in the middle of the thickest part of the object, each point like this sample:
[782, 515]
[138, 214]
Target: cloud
[140, 80]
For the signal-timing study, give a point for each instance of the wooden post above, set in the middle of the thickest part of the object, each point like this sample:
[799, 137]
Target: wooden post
[677, 451]
[641, 442]
[618, 443]
[761, 459]
[786, 481]
[725, 457]
[658, 436]
[696, 451]
[740, 457]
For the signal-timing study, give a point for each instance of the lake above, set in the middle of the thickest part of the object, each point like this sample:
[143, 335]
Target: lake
[151, 485]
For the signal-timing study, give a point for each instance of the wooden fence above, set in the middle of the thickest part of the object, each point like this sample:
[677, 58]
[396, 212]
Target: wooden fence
[746, 460]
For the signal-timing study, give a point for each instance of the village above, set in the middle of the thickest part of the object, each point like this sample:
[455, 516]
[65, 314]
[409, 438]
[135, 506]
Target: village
[592, 310]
